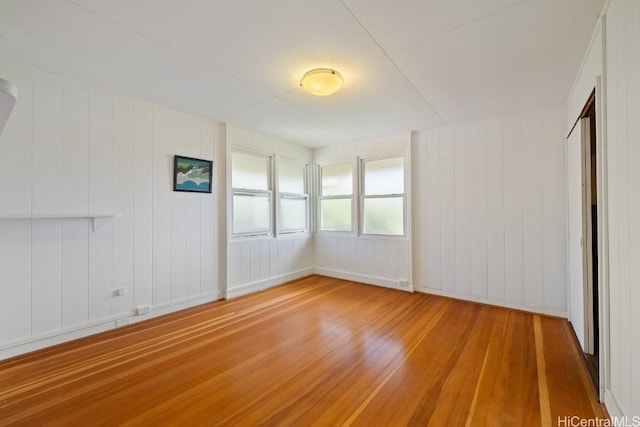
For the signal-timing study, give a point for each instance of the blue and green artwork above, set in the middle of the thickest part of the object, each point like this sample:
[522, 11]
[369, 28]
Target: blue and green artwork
[191, 174]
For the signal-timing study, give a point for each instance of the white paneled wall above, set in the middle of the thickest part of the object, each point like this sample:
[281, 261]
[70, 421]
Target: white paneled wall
[489, 211]
[71, 149]
[377, 260]
[257, 263]
[623, 161]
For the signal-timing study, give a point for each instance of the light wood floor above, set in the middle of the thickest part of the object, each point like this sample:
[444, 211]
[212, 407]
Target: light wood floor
[318, 351]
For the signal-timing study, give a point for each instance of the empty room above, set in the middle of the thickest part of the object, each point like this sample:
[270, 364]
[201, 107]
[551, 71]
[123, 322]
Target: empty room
[295, 213]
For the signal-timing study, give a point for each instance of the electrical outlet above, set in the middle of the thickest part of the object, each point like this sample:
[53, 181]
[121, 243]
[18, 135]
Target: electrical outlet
[142, 309]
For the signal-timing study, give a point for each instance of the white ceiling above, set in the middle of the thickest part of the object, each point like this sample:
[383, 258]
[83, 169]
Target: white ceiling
[407, 64]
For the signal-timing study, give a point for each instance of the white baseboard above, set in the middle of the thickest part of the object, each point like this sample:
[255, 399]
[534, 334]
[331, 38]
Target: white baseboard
[612, 405]
[261, 285]
[370, 280]
[38, 342]
[489, 301]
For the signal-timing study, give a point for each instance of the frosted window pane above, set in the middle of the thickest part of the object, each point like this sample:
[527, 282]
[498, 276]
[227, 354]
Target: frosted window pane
[384, 216]
[293, 214]
[335, 214]
[250, 172]
[251, 214]
[384, 176]
[290, 178]
[337, 180]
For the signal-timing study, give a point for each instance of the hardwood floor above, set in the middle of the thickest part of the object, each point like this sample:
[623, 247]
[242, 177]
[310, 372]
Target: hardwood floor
[317, 351]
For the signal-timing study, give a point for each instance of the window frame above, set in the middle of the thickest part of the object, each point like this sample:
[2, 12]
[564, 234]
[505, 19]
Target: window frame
[362, 195]
[280, 195]
[252, 192]
[320, 197]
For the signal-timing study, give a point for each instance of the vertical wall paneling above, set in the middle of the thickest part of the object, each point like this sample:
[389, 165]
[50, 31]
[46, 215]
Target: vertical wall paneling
[123, 156]
[554, 208]
[393, 260]
[633, 105]
[513, 197]
[447, 211]
[623, 220]
[495, 210]
[463, 165]
[75, 200]
[254, 265]
[15, 276]
[431, 205]
[478, 209]
[273, 258]
[100, 201]
[264, 259]
[210, 222]
[16, 143]
[143, 217]
[162, 169]
[178, 212]
[622, 36]
[75, 148]
[15, 235]
[244, 262]
[234, 279]
[47, 145]
[83, 150]
[491, 225]
[380, 258]
[626, 78]
[75, 272]
[46, 274]
[193, 270]
[532, 212]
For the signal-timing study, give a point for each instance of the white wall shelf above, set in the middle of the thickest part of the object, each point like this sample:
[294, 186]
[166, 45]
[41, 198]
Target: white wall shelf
[93, 218]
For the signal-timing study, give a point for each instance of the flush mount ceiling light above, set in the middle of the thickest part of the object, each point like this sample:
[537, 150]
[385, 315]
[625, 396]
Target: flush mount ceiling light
[322, 81]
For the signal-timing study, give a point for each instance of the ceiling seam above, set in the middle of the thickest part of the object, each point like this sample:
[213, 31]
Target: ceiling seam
[394, 62]
[161, 43]
[478, 19]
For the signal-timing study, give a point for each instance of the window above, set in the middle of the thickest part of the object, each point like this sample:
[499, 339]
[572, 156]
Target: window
[383, 197]
[336, 196]
[252, 196]
[293, 197]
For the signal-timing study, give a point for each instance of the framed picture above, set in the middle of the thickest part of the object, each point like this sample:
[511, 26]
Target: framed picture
[191, 174]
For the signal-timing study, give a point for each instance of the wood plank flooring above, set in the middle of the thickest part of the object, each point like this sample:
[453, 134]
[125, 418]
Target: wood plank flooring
[315, 352]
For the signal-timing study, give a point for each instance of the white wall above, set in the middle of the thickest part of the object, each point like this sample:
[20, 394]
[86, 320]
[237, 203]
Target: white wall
[376, 260]
[258, 263]
[623, 153]
[490, 207]
[69, 149]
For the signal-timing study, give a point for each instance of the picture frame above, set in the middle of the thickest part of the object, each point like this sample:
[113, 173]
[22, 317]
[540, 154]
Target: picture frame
[192, 175]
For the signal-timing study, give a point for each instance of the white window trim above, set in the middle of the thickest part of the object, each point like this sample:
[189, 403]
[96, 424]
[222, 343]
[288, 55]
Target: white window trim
[280, 231]
[249, 191]
[362, 197]
[352, 197]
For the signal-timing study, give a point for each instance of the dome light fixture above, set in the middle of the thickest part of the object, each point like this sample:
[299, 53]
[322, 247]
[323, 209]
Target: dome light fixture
[322, 81]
